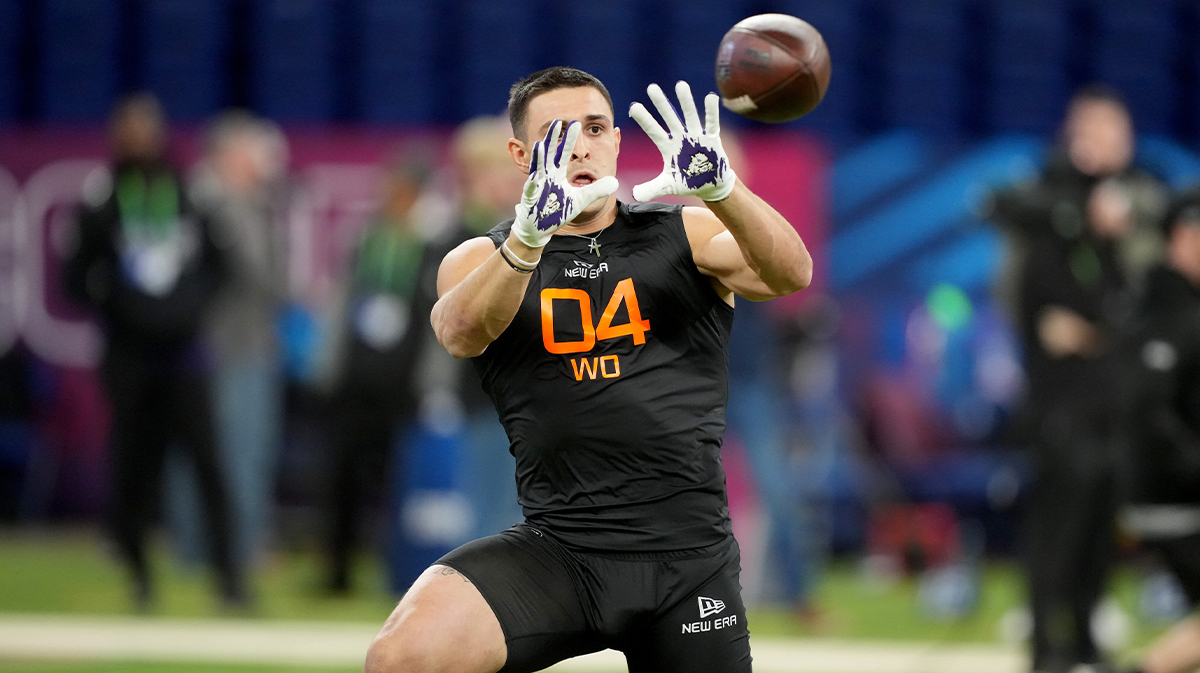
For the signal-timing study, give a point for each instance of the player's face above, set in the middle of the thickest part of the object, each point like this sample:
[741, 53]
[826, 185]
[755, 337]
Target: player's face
[595, 154]
[1099, 137]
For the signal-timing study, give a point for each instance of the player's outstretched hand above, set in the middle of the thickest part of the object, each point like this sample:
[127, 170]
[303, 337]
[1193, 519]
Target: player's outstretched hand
[694, 161]
[549, 200]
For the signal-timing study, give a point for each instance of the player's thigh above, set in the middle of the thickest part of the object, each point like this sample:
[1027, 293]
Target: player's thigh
[705, 631]
[443, 623]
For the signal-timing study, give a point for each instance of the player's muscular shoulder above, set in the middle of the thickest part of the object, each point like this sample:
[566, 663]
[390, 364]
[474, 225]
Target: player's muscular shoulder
[701, 226]
[710, 243]
[461, 261]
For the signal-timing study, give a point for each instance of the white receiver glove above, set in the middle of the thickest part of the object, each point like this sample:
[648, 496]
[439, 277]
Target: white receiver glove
[549, 200]
[695, 162]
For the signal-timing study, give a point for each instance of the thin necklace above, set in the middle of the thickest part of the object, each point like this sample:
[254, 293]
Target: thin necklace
[594, 245]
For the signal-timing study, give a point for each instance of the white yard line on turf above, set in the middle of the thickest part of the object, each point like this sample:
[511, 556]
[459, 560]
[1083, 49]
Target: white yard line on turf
[324, 643]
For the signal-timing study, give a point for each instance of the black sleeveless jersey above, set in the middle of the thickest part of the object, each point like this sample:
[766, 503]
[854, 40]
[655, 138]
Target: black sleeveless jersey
[611, 382]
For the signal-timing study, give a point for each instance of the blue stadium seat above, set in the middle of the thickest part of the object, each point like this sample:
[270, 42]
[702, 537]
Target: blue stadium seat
[691, 38]
[399, 79]
[924, 83]
[926, 40]
[930, 99]
[1135, 51]
[10, 23]
[1151, 96]
[292, 59]
[1026, 102]
[500, 43]
[617, 58]
[184, 44]
[77, 61]
[1135, 35]
[1025, 38]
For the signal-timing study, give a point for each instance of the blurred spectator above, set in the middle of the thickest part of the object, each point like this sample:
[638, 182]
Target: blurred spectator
[1090, 177]
[148, 265]
[238, 186]
[1164, 423]
[491, 185]
[383, 332]
[1077, 223]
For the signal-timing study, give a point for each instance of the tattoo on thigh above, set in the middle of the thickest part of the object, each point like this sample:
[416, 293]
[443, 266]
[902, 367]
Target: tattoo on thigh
[451, 571]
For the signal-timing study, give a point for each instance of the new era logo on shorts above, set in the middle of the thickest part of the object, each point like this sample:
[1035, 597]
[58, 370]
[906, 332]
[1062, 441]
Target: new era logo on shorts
[709, 606]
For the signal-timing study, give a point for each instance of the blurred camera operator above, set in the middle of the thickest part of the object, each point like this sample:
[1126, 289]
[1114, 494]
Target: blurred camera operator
[1079, 236]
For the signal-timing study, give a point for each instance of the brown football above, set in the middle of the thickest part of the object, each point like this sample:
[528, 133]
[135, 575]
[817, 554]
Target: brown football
[772, 68]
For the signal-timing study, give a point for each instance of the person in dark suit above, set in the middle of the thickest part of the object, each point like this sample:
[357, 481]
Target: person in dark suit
[145, 262]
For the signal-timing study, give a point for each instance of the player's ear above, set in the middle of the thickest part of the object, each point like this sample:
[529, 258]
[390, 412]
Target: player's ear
[617, 136]
[519, 154]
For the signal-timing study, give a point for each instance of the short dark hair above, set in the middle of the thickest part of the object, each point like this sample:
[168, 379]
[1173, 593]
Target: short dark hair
[1184, 209]
[550, 79]
[1098, 92]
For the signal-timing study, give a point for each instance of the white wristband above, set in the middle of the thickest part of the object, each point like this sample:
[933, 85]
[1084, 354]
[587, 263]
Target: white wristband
[517, 260]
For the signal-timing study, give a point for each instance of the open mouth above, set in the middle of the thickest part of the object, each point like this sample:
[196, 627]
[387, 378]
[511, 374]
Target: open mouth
[583, 178]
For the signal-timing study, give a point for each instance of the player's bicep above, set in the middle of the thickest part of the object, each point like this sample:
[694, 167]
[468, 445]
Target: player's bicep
[461, 261]
[718, 255]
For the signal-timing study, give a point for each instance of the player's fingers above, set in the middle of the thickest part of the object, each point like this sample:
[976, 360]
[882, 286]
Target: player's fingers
[653, 189]
[642, 116]
[567, 146]
[529, 191]
[687, 103]
[548, 145]
[533, 158]
[665, 109]
[712, 114]
[597, 190]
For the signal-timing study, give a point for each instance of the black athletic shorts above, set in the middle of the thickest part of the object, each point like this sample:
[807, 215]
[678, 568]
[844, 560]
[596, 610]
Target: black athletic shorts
[1182, 556]
[668, 612]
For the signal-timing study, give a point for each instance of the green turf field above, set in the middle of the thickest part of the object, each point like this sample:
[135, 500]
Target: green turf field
[71, 573]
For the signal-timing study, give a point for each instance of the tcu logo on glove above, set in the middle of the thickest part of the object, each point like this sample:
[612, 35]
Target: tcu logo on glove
[700, 163]
[549, 205]
[694, 161]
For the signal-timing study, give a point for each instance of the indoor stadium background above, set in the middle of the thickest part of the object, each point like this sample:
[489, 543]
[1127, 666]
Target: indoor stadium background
[902, 371]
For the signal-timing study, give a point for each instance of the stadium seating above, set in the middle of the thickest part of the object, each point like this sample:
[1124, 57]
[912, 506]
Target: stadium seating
[292, 47]
[78, 64]
[183, 56]
[400, 61]
[10, 80]
[497, 47]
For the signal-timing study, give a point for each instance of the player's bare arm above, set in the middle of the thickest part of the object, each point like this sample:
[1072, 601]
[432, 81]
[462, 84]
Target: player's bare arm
[739, 240]
[748, 247]
[478, 295]
[480, 287]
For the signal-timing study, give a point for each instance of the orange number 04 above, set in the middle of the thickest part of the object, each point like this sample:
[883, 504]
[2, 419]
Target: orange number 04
[636, 327]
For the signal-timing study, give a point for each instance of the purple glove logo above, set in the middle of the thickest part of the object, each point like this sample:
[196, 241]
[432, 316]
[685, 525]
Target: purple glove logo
[551, 206]
[705, 167]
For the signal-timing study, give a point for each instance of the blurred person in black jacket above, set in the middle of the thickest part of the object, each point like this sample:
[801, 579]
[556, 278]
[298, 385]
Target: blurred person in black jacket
[1164, 426]
[1071, 299]
[1089, 175]
[146, 264]
[490, 190]
[384, 327]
